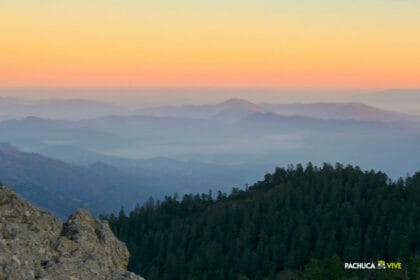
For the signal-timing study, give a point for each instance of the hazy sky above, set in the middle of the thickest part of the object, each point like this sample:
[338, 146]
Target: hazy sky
[211, 43]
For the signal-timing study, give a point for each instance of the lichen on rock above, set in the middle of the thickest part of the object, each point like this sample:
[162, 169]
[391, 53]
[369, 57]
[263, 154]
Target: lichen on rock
[35, 244]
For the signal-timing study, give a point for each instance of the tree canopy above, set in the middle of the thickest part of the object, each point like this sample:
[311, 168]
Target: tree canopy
[302, 222]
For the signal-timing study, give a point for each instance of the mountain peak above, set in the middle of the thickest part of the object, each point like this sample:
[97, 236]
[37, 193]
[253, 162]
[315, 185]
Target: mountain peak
[236, 101]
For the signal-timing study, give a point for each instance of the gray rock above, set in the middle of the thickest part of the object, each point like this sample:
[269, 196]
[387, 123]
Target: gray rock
[35, 244]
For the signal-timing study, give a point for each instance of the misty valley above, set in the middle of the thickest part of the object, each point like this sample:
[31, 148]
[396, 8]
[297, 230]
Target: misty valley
[218, 191]
[110, 160]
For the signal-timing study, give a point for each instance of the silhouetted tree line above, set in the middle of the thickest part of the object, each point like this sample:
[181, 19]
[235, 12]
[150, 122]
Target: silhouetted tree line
[297, 223]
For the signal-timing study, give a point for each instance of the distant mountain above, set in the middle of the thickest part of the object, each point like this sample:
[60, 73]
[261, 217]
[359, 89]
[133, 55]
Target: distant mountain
[403, 100]
[62, 187]
[232, 109]
[106, 185]
[166, 175]
[236, 109]
[71, 109]
[34, 133]
[345, 132]
[338, 111]
[307, 125]
[72, 154]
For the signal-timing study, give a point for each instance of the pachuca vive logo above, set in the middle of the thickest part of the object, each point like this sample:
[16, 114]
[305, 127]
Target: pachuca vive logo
[381, 264]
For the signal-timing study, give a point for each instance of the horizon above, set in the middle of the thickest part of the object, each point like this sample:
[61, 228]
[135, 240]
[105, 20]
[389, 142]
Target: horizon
[143, 97]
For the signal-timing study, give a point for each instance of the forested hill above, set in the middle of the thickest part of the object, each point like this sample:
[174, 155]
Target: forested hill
[298, 223]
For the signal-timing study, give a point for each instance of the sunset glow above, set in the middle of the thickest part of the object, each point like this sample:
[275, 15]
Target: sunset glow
[348, 44]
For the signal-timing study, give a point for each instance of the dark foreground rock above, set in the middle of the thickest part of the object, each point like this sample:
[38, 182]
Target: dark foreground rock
[34, 244]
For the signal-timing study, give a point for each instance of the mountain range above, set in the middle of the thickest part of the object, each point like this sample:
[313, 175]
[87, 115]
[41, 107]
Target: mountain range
[72, 109]
[235, 109]
[105, 162]
[230, 133]
[62, 187]
[102, 188]
[403, 100]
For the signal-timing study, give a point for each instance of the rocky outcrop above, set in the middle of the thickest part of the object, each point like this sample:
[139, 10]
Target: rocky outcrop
[34, 244]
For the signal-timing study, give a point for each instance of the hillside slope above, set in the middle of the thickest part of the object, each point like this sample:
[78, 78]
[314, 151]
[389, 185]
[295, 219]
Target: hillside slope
[303, 220]
[62, 187]
[105, 183]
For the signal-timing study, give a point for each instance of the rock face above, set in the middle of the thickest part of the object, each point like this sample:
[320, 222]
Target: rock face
[34, 244]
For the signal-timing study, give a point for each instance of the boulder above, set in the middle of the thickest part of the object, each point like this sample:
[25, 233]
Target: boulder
[34, 244]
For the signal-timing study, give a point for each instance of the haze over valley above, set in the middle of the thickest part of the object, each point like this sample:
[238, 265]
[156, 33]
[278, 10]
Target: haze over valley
[86, 153]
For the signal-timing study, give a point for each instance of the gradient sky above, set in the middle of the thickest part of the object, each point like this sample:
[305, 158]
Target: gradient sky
[207, 43]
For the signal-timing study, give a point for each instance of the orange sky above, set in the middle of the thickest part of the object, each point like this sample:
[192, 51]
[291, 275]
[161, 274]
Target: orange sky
[362, 44]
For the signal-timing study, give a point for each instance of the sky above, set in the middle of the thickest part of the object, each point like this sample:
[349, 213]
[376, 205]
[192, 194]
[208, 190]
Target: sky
[363, 44]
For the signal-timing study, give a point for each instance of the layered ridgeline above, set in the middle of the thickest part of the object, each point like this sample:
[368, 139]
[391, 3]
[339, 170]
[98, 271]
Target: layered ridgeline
[36, 245]
[106, 183]
[298, 223]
